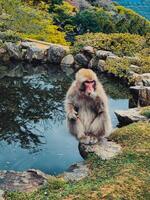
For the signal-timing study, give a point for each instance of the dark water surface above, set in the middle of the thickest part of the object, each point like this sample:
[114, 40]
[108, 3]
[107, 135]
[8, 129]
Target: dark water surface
[33, 131]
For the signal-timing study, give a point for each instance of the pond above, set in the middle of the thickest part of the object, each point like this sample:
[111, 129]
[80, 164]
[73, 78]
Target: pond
[33, 132]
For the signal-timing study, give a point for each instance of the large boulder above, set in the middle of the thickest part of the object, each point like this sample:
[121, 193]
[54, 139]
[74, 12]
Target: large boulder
[34, 53]
[129, 116]
[105, 149]
[56, 53]
[13, 50]
[67, 61]
[88, 51]
[67, 64]
[140, 95]
[27, 181]
[81, 60]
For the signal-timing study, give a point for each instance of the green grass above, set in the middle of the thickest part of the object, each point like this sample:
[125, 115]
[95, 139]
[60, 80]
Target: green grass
[122, 178]
[146, 111]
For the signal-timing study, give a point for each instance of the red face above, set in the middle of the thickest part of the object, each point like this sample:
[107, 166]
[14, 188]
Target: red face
[89, 87]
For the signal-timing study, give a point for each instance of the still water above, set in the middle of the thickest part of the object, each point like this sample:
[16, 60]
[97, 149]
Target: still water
[33, 131]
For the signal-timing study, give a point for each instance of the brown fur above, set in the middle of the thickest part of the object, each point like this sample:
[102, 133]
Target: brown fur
[87, 116]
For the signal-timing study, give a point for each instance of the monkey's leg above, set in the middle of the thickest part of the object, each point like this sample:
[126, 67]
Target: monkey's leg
[101, 126]
[77, 129]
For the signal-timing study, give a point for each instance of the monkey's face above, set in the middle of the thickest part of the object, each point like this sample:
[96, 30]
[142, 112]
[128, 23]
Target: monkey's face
[88, 87]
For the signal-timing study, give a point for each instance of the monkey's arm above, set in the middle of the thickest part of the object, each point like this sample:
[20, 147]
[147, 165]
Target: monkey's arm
[69, 104]
[101, 125]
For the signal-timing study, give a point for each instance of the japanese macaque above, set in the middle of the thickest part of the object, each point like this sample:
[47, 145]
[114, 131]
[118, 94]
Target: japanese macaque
[86, 107]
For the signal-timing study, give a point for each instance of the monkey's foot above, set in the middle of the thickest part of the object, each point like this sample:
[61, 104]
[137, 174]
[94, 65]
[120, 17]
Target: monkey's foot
[89, 140]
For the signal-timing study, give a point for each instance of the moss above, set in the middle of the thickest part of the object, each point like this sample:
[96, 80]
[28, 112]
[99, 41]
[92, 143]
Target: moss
[145, 111]
[124, 177]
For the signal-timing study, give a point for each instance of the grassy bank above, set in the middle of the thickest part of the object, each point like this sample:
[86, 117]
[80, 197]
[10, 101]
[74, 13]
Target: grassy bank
[124, 177]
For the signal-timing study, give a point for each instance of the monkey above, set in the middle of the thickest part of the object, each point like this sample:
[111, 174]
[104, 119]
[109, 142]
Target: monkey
[86, 106]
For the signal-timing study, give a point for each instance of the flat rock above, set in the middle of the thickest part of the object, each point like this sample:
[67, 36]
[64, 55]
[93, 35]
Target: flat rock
[101, 54]
[27, 181]
[76, 172]
[104, 149]
[129, 116]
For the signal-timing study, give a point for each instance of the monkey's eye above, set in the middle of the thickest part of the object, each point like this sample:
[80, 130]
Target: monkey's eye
[82, 87]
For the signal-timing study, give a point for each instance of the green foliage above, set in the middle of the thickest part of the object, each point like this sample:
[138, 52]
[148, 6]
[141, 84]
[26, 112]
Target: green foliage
[9, 36]
[144, 60]
[145, 111]
[28, 22]
[94, 20]
[63, 12]
[130, 21]
[124, 177]
[119, 67]
[122, 44]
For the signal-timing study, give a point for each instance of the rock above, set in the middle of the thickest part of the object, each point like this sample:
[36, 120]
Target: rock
[103, 54]
[105, 150]
[76, 172]
[16, 72]
[67, 61]
[129, 116]
[76, 67]
[2, 52]
[88, 51]
[34, 53]
[56, 54]
[81, 60]
[145, 79]
[3, 71]
[101, 66]
[134, 68]
[98, 64]
[140, 96]
[2, 194]
[146, 82]
[93, 63]
[133, 60]
[27, 181]
[113, 57]
[13, 50]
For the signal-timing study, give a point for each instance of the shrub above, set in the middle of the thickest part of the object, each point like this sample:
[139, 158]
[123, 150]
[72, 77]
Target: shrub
[130, 21]
[94, 20]
[119, 67]
[122, 44]
[28, 22]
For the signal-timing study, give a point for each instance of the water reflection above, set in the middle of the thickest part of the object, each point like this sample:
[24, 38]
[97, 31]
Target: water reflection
[23, 102]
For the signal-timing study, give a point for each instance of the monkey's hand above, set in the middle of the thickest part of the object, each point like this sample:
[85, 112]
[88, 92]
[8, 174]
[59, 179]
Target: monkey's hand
[88, 140]
[73, 115]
